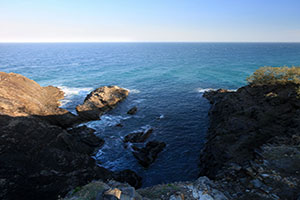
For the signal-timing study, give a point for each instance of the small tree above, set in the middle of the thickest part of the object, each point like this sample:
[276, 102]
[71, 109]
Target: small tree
[274, 75]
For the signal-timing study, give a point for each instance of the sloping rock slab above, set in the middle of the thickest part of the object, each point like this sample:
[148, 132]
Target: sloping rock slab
[20, 96]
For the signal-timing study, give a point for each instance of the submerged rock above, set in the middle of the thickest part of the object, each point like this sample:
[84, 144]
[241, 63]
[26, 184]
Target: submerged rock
[138, 137]
[100, 101]
[148, 154]
[132, 111]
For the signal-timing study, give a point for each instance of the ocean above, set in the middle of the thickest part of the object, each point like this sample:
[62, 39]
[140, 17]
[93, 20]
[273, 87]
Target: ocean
[166, 83]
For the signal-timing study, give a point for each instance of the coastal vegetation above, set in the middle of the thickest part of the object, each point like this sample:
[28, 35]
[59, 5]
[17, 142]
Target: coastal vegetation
[275, 75]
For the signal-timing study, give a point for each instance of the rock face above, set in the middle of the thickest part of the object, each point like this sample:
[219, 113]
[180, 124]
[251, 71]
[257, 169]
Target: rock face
[201, 189]
[101, 100]
[40, 157]
[41, 161]
[138, 137]
[20, 96]
[253, 142]
[149, 153]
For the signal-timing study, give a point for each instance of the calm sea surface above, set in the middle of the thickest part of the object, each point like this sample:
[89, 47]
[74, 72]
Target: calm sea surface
[166, 81]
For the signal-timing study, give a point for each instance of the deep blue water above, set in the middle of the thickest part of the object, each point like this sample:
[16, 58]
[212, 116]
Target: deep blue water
[166, 82]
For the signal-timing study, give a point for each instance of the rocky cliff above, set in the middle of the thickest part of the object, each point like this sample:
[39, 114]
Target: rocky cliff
[41, 154]
[253, 142]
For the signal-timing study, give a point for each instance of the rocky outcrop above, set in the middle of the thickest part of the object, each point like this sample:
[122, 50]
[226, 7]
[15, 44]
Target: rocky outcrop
[100, 101]
[41, 154]
[20, 96]
[41, 161]
[148, 154]
[138, 137]
[253, 140]
[201, 189]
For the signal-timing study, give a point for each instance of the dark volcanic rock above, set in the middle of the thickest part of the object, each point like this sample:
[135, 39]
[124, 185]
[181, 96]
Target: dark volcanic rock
[39, 157]
[138, 137]
[149, 153]
[252, 141]
[100, 101]
[129, 177]
[41, 161]
[132, 111]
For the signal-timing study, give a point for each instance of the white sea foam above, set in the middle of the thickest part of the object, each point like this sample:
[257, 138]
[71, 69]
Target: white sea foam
[71, 91]
[112, 120]
[202, 90]
[133, 91]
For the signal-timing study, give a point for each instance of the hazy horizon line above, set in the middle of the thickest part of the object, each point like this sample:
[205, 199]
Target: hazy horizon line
[3, 42]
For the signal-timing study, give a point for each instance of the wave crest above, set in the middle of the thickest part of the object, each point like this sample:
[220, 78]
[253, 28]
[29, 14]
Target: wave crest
[71, 91]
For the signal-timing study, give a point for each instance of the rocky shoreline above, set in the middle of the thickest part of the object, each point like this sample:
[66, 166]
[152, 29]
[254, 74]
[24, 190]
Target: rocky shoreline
[43, 154]
[252, 149]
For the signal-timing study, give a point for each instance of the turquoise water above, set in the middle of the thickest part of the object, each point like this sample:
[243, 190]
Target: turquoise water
[166, 82]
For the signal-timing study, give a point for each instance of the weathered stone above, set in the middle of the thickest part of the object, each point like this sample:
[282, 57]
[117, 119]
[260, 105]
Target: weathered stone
[113, 192]
[138, 137]
[100, 101]
[21, 97]
[149, 153]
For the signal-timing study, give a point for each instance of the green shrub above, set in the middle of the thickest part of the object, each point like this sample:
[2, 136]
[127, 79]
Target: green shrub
[275, 75]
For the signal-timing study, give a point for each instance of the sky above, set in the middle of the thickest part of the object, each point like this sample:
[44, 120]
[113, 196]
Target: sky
[149, 20]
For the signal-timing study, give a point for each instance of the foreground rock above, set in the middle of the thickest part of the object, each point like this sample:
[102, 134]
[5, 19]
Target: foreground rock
[253, 142]
[100, 101]
[148, 154]
[40, 157]
[201, 189]
[138, 137]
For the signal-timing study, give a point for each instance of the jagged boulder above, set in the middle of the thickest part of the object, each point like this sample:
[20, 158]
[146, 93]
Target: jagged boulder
[132, 110]
[138, 137]
[148, 154]
[100, 101]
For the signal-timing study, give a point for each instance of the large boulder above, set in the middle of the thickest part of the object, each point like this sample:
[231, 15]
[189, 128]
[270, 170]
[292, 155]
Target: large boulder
[100, 101]
[148, 154]
[20, 96]
[138, 137]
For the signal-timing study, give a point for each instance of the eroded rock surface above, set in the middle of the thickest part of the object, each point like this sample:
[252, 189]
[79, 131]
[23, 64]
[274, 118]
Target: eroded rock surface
[20, 96]
[201, 189]
[148, 154]
[41, 154]
[253, 142]
[138, 137]
[100, 101]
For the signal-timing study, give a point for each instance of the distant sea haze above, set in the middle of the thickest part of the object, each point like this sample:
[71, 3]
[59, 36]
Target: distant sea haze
[166, 81]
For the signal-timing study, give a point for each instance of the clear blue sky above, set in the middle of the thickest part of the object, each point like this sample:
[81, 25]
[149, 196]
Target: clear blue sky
[150, 20]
